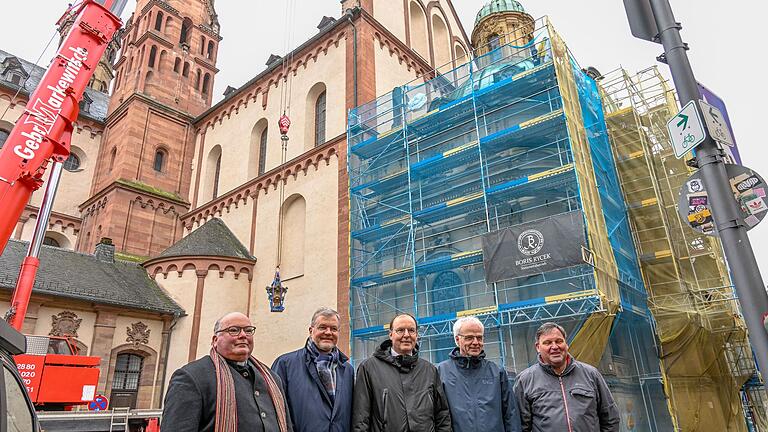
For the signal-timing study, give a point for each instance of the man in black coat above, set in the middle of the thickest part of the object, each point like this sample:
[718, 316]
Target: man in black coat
[228, 390]
[396, 391]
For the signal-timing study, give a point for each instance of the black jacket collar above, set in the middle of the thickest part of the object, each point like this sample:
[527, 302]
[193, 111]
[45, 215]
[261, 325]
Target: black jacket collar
[404, 363]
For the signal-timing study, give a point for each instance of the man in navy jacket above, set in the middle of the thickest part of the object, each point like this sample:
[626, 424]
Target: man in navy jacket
[479, 392]
[318, 378]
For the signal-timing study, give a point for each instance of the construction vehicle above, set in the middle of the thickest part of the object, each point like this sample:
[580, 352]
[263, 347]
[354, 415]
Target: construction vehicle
[54, 373]
[41, 137]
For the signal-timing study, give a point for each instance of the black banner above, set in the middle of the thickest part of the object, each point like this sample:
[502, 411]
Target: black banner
[532, 248]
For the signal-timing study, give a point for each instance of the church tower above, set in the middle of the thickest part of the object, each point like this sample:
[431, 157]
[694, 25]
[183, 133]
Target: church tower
[501, 22]
[163, 80]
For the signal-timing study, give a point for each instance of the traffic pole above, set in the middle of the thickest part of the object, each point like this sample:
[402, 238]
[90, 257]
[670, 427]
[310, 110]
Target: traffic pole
[733, 233]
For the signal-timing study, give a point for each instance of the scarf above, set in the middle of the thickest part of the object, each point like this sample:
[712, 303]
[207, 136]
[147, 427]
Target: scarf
[226, 402]
[326, 364]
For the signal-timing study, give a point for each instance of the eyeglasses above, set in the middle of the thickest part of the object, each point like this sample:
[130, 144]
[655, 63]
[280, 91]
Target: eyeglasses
[323, 329]
[401, 331]
[235, 330]
[472, 337]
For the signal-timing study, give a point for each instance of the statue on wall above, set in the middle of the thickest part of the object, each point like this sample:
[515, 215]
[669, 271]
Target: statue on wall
[65, 323]
[138, 333]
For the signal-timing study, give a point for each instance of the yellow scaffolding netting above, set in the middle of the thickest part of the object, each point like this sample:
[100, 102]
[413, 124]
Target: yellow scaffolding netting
[706, 358]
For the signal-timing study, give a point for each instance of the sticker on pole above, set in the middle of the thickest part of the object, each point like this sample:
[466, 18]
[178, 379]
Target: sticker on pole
[716, 125]
[749, 190]
[686, 130]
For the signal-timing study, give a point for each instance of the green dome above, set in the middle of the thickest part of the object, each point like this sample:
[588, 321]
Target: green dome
[495, 6]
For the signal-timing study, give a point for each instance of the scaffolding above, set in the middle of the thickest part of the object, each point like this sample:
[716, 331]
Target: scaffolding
[707, 363]
[514, 136]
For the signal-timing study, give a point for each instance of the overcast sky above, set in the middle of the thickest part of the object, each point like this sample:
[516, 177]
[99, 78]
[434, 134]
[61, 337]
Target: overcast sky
[727, 40]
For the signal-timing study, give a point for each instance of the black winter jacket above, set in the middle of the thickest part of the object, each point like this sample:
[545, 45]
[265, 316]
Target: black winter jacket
[398, 394]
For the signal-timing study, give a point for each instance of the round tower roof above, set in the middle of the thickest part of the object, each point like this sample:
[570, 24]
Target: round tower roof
[495, 6]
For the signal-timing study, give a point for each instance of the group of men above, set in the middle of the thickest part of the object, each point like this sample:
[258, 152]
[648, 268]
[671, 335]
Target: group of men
[314, 389]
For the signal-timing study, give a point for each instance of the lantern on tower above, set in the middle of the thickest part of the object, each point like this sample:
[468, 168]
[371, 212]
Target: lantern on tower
[276, 292]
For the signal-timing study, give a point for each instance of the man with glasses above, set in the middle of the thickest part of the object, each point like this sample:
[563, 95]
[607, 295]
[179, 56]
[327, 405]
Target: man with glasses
[396, 391]
[228, 390]
[318, 378]
[479, 392]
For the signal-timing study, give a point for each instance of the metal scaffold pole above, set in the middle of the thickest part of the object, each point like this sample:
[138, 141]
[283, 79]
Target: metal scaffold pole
[745, 273]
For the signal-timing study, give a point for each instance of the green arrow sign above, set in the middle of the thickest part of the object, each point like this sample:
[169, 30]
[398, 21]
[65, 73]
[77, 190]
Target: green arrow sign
[683, 120]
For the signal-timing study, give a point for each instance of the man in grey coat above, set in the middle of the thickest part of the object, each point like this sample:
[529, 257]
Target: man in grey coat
[479, 392]
[559, 393]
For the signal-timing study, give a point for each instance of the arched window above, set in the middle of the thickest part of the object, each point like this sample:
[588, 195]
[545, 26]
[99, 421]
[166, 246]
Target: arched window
[446, 298]
[159, 22]
[206, 83]
[3, 136]
[48, 241]
[112, 157]
[72, 163]
[159, 160]
[168, 25]
[293, 239]
[117, 80]
[186, 26]
[493, 44]
[202, 45]
[320, 120]
[152, 55]
[209, 53]
[197, 80]
[461, 55]
[185, 72]
[212, 174]
[162, 59]
[263, 151]
[216, 174]
[177, 65]
[441, 41]
[418, 29]
[126, 379]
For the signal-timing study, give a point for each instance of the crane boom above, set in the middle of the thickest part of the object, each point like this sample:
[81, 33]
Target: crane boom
[42, 132]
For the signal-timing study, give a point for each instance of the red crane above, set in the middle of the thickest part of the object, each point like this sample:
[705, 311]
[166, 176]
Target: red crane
[42, 134]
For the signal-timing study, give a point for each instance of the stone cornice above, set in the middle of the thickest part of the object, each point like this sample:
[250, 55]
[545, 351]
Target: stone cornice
[201, 264]
[164, 201]
[264, 182]
[271, 77]
[66, 221]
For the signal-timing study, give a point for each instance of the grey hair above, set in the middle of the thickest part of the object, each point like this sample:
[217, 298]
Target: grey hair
[217, 325]
[324, 312]
[464, 320]
[548, 327]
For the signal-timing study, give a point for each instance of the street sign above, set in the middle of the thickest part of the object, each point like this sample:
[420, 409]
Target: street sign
[732, 155]
[99, 403]
[686, 130]
[749, 190]
[716, 124]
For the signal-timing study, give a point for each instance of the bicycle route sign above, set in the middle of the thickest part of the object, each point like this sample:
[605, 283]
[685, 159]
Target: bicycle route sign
[686, 130]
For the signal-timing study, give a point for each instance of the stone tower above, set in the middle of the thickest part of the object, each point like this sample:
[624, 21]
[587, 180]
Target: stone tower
[501, 22]
[163, 80]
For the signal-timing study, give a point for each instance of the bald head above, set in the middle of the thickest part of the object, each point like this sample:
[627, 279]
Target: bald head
[221, 323]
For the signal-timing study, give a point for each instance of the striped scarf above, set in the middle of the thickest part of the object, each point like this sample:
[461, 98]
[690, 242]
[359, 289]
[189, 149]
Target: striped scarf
[326, 365]
[226, 403]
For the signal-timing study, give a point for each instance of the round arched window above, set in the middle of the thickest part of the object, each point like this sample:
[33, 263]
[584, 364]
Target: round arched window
[72, 163]
[159, 161]
[48, 241]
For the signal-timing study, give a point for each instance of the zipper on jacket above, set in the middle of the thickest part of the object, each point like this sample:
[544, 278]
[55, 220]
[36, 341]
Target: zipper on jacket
[384, 411]
[565, 402]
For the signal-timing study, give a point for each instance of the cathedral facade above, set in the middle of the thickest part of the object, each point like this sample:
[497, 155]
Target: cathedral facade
[202, 197]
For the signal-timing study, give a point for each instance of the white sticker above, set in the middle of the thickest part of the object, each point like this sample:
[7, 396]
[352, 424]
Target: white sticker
[89, 392]
[756, 206]
[751, 220]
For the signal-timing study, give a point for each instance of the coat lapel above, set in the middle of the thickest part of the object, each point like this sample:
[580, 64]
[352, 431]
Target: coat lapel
[316, 378]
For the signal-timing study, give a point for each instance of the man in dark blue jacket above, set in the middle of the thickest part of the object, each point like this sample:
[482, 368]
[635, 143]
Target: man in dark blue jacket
[479, 394]
[318, 378]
